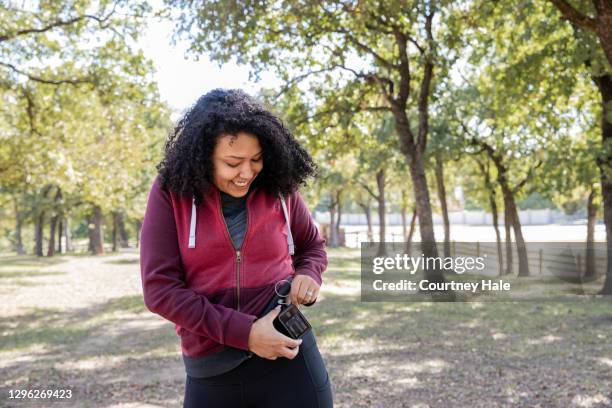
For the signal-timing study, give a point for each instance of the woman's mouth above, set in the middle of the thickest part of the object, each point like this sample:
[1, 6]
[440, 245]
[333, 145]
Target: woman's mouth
[240, 184]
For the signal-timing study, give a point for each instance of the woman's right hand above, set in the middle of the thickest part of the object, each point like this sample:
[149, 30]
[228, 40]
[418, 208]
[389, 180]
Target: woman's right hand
[269, 343]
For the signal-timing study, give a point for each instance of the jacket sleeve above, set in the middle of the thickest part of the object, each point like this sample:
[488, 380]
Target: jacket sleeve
[310, 257]
[163, 281]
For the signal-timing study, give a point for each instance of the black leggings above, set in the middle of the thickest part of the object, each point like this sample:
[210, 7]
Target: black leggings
[259, 383]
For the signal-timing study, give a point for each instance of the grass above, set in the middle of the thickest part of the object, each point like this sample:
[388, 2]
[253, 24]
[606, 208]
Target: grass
[379, 354]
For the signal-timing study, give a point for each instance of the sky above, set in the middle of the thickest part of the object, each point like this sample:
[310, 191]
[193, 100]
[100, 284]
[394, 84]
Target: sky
[181, 79]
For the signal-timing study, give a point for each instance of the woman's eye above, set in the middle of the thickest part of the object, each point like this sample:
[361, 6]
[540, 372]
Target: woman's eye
[232, 165]
[257, 160]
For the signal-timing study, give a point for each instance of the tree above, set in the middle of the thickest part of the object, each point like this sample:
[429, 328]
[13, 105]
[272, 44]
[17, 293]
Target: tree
[491, 192]
[81, 126]
[576, 187]
[520, 100]
[595, 19]
[35, 33]
[389, 53]
[444, 148]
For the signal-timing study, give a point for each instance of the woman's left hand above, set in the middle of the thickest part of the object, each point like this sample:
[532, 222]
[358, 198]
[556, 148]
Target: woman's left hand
[304, 290]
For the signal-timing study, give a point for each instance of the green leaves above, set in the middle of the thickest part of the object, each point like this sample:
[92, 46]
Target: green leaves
[79, 111]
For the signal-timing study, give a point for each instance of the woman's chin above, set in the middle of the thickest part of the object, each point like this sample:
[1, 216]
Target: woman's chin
[236, 191]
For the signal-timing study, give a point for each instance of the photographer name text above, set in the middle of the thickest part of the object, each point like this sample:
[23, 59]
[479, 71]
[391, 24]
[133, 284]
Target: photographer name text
[427, 286]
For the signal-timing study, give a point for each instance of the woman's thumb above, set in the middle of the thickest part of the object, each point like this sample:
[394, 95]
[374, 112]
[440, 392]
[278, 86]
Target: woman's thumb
[274, 312]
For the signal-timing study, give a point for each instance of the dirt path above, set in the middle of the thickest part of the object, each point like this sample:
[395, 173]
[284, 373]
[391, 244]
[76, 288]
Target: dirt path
[80, 323]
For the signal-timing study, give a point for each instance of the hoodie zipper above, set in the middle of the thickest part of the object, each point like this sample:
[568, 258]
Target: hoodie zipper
[238, 260]
[239, 256]
[238, 251]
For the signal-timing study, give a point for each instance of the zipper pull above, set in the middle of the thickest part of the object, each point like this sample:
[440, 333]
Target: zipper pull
[238, 255]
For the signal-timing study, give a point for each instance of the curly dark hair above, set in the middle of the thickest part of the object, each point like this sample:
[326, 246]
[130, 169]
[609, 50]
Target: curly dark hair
[187, 166]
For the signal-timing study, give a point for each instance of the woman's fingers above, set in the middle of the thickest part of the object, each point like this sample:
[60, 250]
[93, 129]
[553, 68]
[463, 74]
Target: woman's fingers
[303, 290]
[289, 348]
[289, 353]
[308, 293]
[295, 290]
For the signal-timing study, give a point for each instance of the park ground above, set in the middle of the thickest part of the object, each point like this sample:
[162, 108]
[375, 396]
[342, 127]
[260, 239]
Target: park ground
[79, 322]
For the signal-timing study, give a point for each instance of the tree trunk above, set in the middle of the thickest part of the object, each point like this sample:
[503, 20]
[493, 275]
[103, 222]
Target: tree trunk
[380, 183]
[510, 204]
[18, 228]
[68, 234]
[123, 235]
[413, 147]
[500, 252]
[138, 228]
[604, 29]
[53, 224]
[40, 220]
[589, 271]
[423, 205]
[508, 228]
[60, 234]
[600, 25]
[38, 234]
[404, 222]
[411, 231]
[115, 232]
[338, 216]
[604, 83]
[367, 210]
[333, 237]
[96, 241]
[52, 229]
[444, 207]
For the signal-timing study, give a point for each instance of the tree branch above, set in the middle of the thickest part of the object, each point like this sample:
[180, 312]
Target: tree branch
[575, 16]
[423, 104]
[375, 108]
[382, 81]
[527, 177]
[367, 188]
[41, 80]
[55, 24]
[298, 79]
[602, 6]
[349, 36]
[382, 61]
[404, 67]
[416, 44]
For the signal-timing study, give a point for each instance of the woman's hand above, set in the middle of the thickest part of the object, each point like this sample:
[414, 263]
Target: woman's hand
[267, 342]
[304, 290]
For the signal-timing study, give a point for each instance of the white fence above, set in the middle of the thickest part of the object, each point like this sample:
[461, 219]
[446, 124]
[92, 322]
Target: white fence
[527, 217]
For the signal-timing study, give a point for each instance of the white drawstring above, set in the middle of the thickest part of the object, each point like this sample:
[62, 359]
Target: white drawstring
[192, 226]
[290, 245]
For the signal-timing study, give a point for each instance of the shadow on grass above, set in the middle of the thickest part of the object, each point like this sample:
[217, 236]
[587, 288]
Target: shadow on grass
[379, 354]
[28, 261]
[27, 274]
[134, 261]
[454, 354]
[115, 351]
[58, 331]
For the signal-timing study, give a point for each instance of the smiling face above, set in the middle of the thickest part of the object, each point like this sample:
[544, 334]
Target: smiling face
[237, 160]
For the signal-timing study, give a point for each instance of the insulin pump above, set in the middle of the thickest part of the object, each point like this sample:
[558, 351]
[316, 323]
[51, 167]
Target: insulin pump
[290, 321]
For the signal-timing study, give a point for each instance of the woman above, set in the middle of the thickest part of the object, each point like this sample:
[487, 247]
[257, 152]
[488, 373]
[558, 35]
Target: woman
[224, 229]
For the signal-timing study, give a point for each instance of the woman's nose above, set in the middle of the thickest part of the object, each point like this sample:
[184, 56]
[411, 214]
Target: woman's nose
[246, 171]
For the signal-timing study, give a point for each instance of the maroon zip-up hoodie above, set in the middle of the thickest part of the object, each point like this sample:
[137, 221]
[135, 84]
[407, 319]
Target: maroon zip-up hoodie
[213, 292]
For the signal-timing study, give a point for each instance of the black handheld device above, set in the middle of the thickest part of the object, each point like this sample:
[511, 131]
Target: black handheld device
[291, 322]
